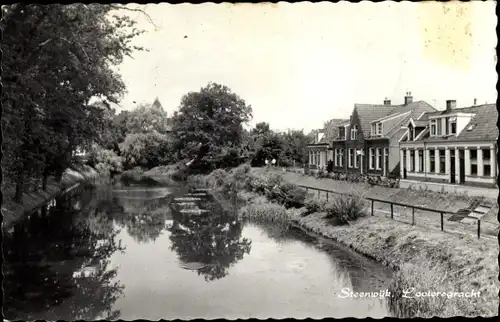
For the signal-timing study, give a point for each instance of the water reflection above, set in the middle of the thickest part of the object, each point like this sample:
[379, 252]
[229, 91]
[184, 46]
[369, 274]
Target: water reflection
[62, 264]
[144, 219]
[48, 257]
[208, 241]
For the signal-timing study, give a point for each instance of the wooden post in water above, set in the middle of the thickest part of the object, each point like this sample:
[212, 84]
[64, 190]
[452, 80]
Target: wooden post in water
[442, 221]
[327, 196]
[392, 211]
[319, 192]
[478, 228]
[373, 201]
[412, 216]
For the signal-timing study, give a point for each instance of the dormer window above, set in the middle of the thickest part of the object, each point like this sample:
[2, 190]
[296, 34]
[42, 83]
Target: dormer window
[411, 133]
[342, 133]
[379, 129]
[453, 125]
[433, 127]
[354, 132]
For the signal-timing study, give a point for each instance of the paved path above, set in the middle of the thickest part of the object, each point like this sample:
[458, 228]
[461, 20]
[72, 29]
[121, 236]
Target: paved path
[425, 219]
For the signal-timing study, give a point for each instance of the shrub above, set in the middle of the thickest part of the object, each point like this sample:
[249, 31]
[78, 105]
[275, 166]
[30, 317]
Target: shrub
[344, 208]
[287, 194]
[321, 174]
[266, 212]
[312, 205]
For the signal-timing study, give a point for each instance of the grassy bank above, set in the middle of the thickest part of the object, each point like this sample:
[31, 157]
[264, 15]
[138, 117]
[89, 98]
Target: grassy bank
[12, 210]
[428, 261]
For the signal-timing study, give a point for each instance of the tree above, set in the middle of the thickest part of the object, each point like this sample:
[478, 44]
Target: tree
[212, 116]
[147, 118]
[57, 60]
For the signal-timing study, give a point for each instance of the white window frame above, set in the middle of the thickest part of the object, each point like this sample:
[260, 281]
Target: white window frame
[355, 158]
[349, 161]
[377, 158]
[370, 161]
[341, 157]
[433, 124]
[354, 132]
[335, 157]
[452, 119]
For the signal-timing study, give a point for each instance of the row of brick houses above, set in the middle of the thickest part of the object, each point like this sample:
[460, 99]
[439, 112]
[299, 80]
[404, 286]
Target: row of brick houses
[457, 146]
[413, 141]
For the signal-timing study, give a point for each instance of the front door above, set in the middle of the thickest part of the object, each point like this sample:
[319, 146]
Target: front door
[452, 168]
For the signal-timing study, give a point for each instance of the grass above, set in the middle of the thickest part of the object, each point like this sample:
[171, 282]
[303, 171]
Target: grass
[458, 262]
[422, 197]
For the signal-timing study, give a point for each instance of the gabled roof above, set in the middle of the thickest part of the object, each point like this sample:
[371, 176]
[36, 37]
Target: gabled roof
[331, 131]
[485, 121]
[368, 113]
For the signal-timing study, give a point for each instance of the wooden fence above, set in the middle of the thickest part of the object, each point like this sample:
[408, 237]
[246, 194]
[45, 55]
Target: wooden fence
[392, 204]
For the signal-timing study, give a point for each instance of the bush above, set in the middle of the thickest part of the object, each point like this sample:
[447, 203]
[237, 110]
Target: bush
[264, 212]
[321, 174]
[313, 204]
[344, 208]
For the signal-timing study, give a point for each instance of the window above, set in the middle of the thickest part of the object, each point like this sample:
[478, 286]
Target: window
[341, 157]
[420, 157]
[410, 133]
[471, 127]
[379, 128]
[412, 160]
[354, 132]
[433, 128]
[447, 126]
[442, 161]
[379, 158]
[473, 162]
[453, 125]
[336, 157]
[371, 161]
[432, 158]
[342, 133]
[439, 127]
[486, 163]
[356, 156]
[351, 157]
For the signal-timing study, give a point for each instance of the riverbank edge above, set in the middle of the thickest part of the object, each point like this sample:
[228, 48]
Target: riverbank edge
[394, 245]
[72, 178]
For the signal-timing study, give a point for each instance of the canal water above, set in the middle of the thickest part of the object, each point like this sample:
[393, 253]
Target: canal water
[161, 253]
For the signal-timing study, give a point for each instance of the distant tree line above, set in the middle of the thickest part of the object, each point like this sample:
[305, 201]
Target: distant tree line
[213, 117]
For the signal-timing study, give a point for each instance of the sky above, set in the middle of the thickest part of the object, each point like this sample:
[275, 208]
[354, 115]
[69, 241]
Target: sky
[299, 65]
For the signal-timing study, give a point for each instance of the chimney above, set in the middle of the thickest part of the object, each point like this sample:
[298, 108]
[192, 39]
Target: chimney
[475, 101]
[408, 98]
[450, 105]
[387, 101]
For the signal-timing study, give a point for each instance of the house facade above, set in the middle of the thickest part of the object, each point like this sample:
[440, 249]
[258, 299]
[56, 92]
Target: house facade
[455, 146]
[369, 143]
[320, 149]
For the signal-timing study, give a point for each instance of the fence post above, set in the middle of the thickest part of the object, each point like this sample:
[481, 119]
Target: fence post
[479, 228]
[413, 216]
[442, 221]
[373, 201]
[392, 211]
